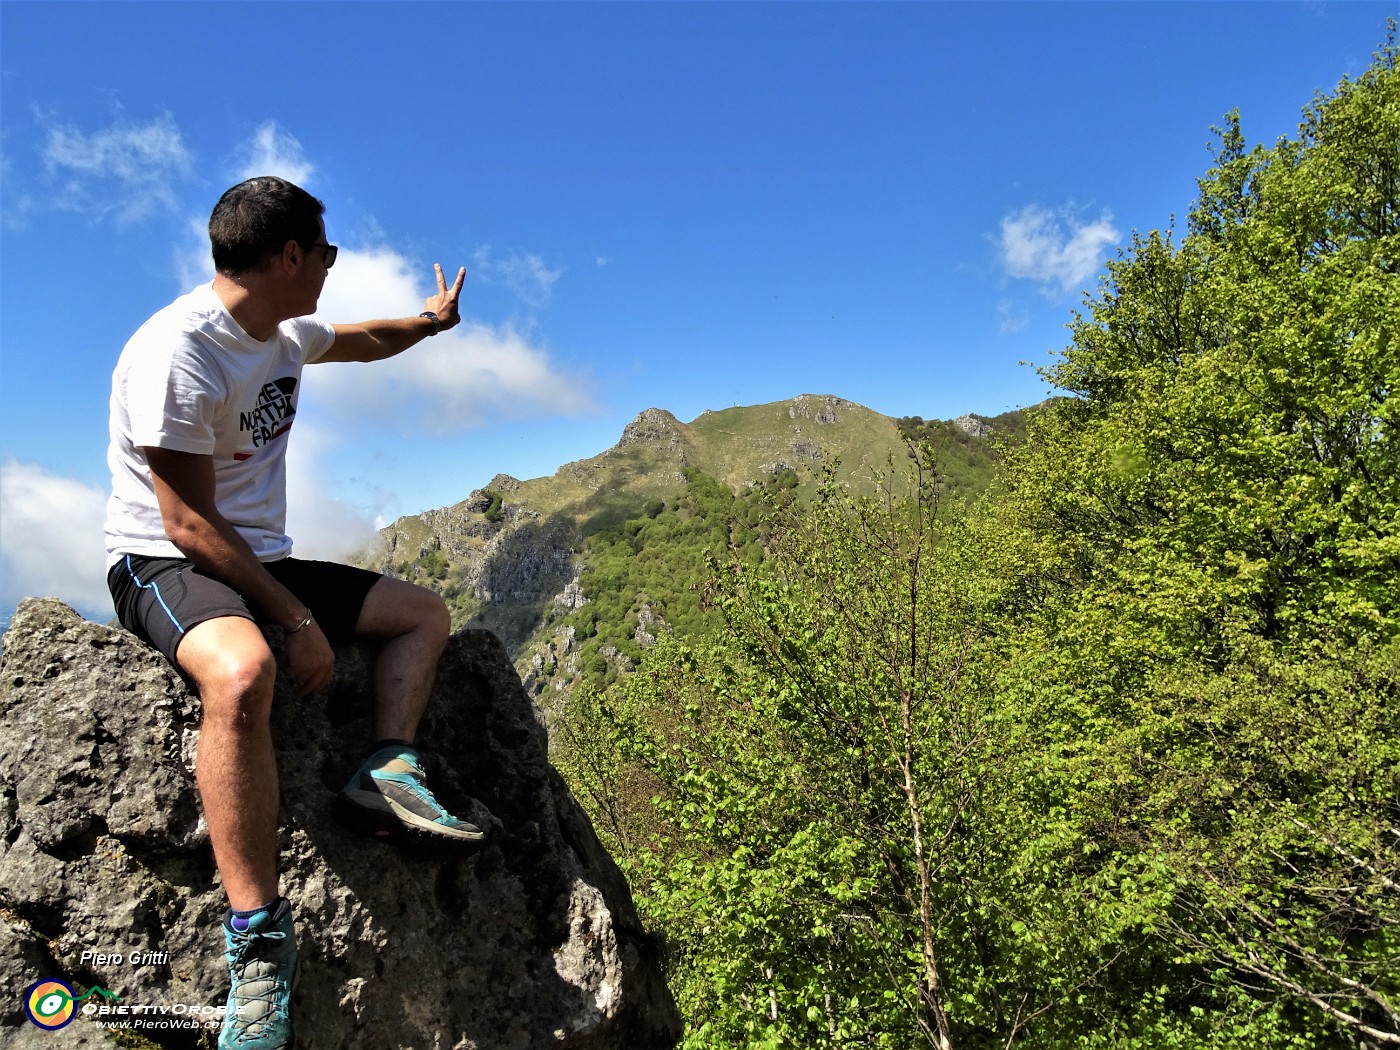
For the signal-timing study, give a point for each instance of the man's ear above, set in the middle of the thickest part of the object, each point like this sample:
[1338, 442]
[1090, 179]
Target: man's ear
[290, 257]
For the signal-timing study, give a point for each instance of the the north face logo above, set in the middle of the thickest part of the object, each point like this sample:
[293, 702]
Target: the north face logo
[271, 417]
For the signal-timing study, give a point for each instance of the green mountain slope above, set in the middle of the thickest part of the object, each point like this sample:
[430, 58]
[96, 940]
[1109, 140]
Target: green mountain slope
[737, 445]
[578, 571]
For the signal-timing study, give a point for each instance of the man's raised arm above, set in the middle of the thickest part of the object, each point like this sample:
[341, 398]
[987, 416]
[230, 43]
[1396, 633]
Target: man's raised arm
[376, 340]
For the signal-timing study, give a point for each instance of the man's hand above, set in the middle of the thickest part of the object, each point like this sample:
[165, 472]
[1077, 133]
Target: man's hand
[310, 658]
[377, 340]
[444, 303]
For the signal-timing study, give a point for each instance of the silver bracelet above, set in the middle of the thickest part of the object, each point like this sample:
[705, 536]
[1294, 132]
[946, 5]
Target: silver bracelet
[299, 627]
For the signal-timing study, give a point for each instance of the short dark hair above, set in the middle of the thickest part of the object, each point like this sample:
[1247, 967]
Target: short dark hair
[255, 219]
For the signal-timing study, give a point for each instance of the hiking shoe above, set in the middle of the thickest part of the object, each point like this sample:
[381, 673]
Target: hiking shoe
[262, 962]
[388, 798]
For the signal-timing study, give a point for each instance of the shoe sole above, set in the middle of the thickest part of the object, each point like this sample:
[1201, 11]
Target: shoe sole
[386, 826]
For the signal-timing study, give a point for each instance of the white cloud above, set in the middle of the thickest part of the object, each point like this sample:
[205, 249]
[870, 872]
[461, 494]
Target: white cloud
[321, 524]
[194, 263]
[1054, 248]
[275, 151]
[17, 201]
[127, 169]
[445, 384]
[1011, 318]
[525, 275]
[51, 540]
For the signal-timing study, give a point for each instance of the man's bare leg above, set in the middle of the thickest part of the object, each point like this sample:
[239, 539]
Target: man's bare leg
[413, 623]
[388, 797]
[236, 768]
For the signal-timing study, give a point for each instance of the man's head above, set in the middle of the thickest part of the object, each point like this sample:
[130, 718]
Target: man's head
[255, 220]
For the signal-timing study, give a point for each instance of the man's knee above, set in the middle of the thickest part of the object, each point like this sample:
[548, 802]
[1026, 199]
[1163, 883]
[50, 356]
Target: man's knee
[437, 618]
[233, 669]
[245, 675]
[432, 619]
[395, 608]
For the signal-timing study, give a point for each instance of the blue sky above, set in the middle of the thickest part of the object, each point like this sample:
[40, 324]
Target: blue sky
[687, 206]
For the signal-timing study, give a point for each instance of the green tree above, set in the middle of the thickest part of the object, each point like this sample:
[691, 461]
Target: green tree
[820, 785]
[850, 844]
[1224, 496]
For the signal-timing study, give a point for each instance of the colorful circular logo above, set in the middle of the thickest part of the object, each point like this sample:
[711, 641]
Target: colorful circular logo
[49, 1003]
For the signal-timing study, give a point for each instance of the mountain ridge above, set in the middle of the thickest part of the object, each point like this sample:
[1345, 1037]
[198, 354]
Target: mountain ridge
[513, 555]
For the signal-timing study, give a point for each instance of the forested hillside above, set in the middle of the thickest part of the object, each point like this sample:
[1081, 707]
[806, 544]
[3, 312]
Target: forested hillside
[1105, 758]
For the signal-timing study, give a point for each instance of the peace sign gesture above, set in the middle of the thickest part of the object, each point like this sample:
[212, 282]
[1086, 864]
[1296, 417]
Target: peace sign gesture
[444, 303]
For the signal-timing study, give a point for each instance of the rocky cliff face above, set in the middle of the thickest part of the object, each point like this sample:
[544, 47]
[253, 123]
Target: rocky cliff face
[820, 408]
[533, 942]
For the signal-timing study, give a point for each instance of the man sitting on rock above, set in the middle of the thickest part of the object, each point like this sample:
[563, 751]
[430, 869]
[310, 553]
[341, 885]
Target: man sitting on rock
[203, 399]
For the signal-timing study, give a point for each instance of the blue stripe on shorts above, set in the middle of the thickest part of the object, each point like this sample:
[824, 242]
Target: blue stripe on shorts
[154, 589]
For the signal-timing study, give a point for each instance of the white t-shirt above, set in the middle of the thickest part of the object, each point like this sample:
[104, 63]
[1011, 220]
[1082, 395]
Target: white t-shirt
[192, 380]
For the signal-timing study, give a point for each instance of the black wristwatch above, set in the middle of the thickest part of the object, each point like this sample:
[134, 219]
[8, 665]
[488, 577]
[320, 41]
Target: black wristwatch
[437, 323]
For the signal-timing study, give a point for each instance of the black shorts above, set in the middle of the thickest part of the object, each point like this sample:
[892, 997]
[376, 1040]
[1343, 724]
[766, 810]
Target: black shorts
[160, 599]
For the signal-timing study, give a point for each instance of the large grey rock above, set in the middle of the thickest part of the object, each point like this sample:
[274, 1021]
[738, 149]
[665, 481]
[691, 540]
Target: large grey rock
[534, 942]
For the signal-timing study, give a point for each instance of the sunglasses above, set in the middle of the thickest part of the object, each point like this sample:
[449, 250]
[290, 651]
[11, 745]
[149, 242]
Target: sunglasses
[328, 253]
